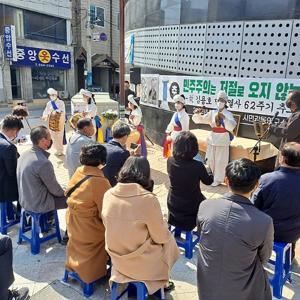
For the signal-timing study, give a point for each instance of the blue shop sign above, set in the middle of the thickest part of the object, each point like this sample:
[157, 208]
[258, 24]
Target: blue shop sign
[37, 57]
[9, 38]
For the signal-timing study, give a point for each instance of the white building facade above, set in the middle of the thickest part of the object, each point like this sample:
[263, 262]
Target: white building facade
[95, 27]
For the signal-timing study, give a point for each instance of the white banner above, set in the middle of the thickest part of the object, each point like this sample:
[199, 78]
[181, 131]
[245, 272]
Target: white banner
[263, 96]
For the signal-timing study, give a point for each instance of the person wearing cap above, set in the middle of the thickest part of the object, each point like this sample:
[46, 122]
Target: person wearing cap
[91, 108]
[91, 111]
[56, 106]
[135, 118]
[180, 122]
[222, 123]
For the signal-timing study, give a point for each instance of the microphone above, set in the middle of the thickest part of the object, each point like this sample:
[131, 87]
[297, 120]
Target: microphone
[274, 118]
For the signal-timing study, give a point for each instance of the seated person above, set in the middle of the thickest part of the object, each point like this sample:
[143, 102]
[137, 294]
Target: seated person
[7, 274]
[278, 195]
[117, 152]
[137, 238]
[185, 175]
[236, 240]
[85, 130]
[38, 188]
[86, 253]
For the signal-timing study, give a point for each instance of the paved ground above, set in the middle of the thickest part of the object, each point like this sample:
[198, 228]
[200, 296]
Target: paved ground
[36, 272]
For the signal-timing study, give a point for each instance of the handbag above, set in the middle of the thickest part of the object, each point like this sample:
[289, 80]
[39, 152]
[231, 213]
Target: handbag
[77, 185]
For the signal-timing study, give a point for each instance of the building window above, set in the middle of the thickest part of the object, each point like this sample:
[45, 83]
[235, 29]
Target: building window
[15, 82]
[97, 15]
[43, 78]
[44, 28]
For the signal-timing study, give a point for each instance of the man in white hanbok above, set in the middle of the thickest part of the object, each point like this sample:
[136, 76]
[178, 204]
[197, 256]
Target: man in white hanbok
[222, 123]
[58, 106]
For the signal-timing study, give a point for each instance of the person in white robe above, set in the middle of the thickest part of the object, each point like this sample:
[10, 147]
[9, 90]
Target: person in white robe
[180, 120]
[222, 123]
[58, 106]
[91, 109]
[135, 118]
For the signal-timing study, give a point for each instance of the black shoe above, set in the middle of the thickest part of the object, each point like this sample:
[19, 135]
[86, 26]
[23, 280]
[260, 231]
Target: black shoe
[170, 287]
[65, 239]
[20, 294]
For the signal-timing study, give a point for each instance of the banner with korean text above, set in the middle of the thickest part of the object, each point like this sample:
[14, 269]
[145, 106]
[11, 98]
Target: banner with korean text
[262, 96]
[37, 57]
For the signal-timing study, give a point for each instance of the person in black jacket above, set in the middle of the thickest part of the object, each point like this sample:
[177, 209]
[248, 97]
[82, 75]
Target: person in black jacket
[185, 175]
[278, 195]
[9, 155]
[7, 275]
[117, 153]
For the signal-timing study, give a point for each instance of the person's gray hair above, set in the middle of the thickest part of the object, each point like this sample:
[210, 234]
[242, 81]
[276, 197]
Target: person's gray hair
[120, 129]
[38, 133]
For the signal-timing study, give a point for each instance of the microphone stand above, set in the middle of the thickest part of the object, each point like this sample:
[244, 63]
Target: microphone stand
[256, 149]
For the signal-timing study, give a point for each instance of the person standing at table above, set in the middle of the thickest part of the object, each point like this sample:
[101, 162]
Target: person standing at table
[289, 130]
[54, 114]
[222, 123]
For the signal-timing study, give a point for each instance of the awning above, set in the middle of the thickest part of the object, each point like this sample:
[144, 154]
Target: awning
[80, 54]
[103, 60]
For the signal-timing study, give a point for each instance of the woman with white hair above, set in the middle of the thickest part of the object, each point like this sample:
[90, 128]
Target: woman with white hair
[222, 123]
[180, 122]
[54, 114]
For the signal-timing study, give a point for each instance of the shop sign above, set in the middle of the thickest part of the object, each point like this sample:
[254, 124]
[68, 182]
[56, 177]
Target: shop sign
[10, 45]
[38, 57]
[263, 96]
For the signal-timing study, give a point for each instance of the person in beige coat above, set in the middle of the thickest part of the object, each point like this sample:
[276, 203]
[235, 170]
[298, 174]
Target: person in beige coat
[86, 253]
[136, 236]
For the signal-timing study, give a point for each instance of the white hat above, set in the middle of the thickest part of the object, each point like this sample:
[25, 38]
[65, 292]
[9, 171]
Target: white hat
[85, 93]
[222, 95]
[178, 98]
[131, 100]
[52, 91]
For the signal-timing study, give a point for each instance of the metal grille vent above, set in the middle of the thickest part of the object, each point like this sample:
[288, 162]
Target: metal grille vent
[223, 46]
[265, 48]
[168, 47]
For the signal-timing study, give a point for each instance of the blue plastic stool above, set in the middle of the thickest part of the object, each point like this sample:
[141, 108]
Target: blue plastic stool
[188, 244]
[134, 288]
[88, 288]
[283, 267]
[39, 223]
[8, 216]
